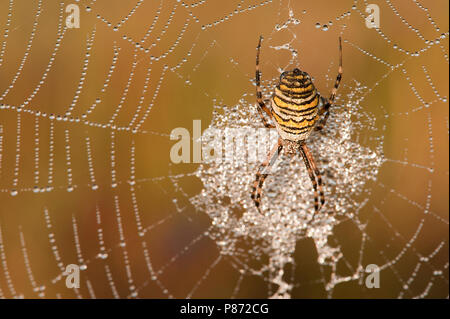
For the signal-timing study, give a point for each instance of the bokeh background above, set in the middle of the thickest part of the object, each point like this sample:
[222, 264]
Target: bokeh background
[85, 122]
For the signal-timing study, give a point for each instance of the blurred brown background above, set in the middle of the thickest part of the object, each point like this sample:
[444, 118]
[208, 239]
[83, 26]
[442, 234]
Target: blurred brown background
[97, 83]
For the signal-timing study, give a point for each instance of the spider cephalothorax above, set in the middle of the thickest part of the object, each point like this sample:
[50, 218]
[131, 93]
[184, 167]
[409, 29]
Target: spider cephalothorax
[295, 108]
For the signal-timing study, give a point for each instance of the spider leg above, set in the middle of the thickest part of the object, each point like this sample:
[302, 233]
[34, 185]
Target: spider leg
[261, 105]
[328, 103]
[339, 76]
[313, 173]
[263, 172]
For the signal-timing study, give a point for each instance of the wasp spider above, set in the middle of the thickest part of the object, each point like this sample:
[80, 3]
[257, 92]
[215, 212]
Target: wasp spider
[296, 109]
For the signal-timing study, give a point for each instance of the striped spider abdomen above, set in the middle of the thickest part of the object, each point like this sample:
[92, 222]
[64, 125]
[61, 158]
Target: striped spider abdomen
[295, 105]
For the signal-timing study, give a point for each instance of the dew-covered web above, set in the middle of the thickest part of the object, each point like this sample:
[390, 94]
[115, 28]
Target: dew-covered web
[86, 176]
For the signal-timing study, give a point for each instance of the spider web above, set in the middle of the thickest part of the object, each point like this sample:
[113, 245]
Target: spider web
[86, 177]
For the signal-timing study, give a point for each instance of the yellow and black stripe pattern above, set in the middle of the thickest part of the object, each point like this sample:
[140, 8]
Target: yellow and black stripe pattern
[295, 105]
